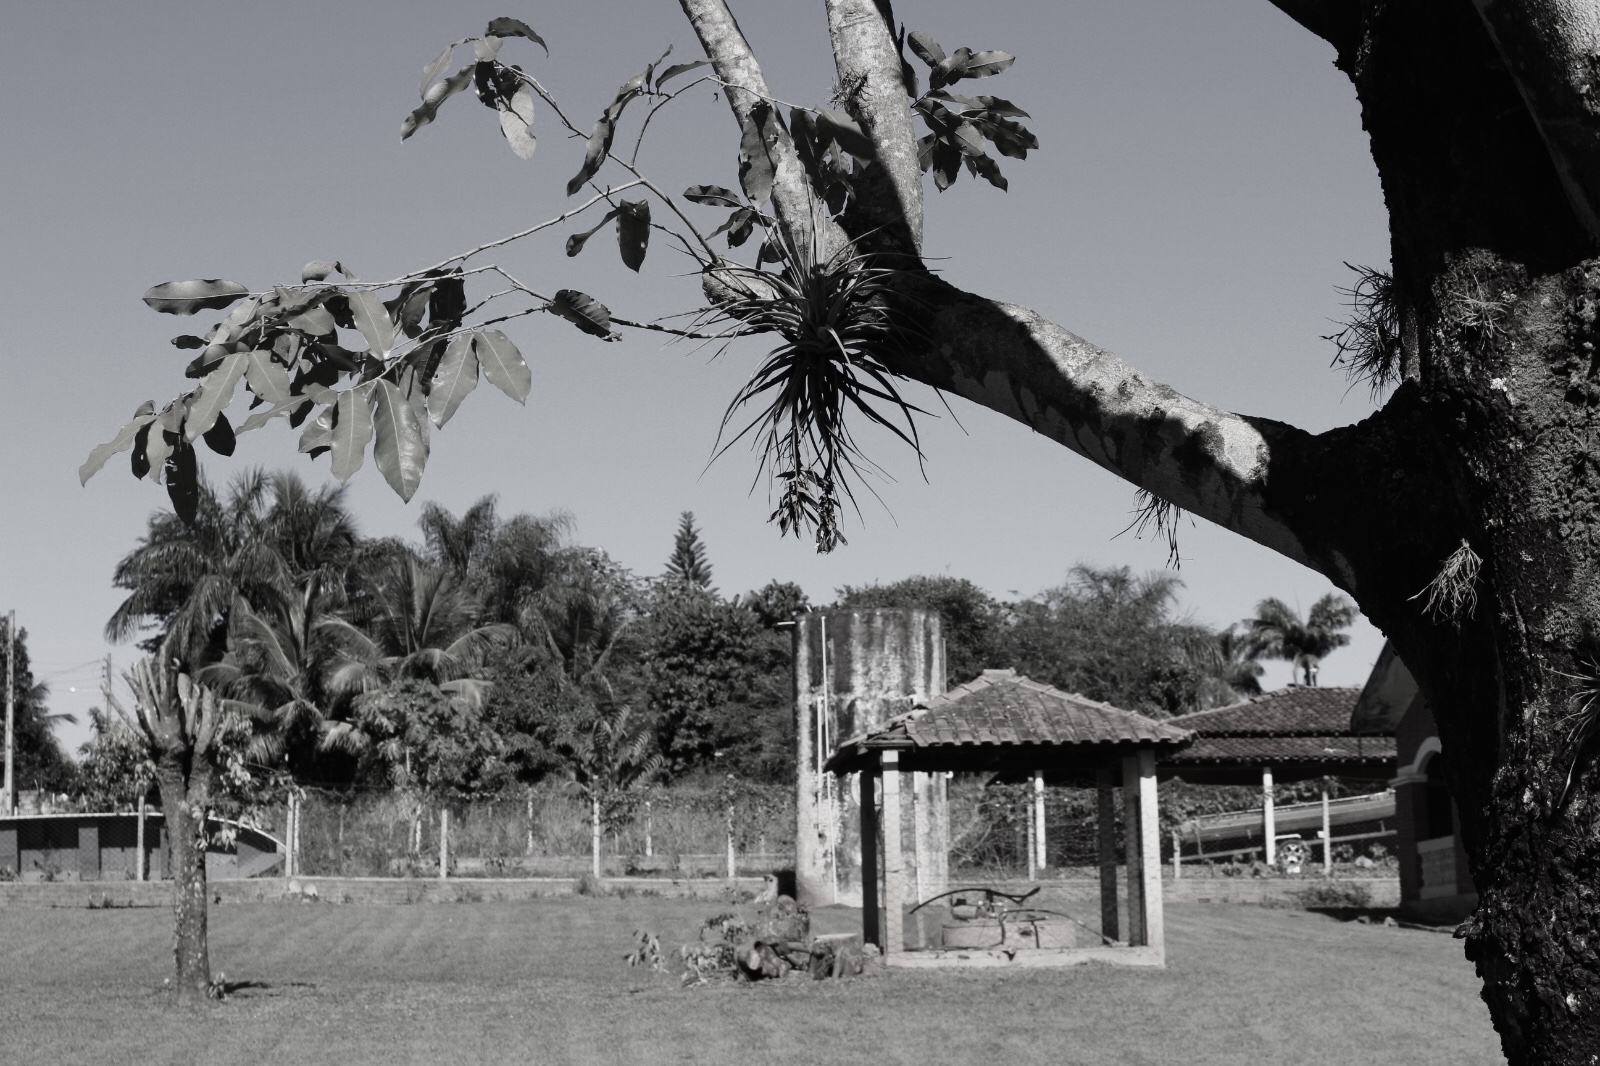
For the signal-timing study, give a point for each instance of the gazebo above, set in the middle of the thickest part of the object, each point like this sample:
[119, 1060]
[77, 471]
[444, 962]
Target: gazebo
[1017, 729]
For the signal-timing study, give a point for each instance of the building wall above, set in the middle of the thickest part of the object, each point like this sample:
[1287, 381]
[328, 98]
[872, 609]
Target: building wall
[104, 847]
[1422, 819]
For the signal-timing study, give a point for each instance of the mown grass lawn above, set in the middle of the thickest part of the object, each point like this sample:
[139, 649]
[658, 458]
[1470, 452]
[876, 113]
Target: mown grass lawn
[544, 982]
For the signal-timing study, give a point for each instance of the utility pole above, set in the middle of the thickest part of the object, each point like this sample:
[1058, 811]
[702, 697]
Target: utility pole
[10, 801]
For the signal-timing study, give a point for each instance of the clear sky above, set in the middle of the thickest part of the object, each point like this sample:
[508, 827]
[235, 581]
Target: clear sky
[1201, 179]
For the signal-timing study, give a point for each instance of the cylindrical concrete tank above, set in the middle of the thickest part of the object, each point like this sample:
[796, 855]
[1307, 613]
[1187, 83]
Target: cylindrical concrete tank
[853, 671]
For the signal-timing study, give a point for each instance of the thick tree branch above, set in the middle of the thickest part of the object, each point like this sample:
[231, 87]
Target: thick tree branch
[1552, 48]
[1336, 21]
[736, 66]
[868, 63]
[1208, 461]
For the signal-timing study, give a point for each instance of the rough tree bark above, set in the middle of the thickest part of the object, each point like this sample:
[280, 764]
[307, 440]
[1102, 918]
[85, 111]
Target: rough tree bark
[179, 719]
[1464, 517]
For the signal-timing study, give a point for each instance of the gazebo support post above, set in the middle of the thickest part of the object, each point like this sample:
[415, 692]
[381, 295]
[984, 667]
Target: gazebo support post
[1269, 822]
[1038, 818]
[1133, 848]
[1106, 833]
[871, 923]
[919, 834]
[893, 869]
[1154, 919]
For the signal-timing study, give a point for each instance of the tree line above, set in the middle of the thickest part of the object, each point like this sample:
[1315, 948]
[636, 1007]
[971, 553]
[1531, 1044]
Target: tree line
[497, 651]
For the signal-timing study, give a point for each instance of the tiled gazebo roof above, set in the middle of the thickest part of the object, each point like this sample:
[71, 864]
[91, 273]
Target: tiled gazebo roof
[1001, 721]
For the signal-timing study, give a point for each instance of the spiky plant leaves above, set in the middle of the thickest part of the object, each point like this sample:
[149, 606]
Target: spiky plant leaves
[836, 318]
[1368, 341]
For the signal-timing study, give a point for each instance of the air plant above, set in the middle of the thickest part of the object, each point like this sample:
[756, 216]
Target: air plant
[840, 319]
[1369, 340]
[1454, 589]
[1150, 510]
[1584, 721]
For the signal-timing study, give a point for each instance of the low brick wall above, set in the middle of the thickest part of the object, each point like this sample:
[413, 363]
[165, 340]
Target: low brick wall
[358, 890]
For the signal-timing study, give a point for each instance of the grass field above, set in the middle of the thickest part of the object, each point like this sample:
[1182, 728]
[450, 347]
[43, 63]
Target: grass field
[544, 982]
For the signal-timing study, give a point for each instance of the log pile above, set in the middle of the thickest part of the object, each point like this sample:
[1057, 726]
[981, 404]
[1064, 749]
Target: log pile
[781, 944]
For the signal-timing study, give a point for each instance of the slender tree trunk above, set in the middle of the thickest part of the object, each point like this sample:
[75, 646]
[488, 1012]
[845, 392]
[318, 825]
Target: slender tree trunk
[185, 798]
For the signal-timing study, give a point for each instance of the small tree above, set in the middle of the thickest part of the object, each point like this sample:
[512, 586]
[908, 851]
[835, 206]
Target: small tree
[188, 734]
[606, 756]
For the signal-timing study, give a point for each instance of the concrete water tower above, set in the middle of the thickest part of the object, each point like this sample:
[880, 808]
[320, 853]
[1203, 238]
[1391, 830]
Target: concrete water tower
[853, 671]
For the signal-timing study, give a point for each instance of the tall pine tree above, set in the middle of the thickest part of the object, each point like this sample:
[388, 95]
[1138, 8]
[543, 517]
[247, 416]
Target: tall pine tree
[688, 565]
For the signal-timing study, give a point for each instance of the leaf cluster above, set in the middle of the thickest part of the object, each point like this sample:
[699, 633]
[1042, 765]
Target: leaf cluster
[957, 125]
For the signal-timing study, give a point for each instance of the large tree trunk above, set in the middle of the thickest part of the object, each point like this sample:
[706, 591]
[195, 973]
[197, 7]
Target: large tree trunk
[185, 798]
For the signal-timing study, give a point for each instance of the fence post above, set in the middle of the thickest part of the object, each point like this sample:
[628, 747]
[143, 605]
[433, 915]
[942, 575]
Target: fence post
[649, 827]
[1327, 834]
[139, 858]
[594, 830]
[444, 842]
[1039, 835]
[1177, 856]
[529, 850]
[732, 863]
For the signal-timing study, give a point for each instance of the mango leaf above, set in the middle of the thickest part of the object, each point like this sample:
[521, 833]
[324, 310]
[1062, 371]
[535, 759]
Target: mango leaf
[739, 226]
[967, 138]
[712, 196]
[755, 155]
[502, 364]
[220, 437]
[123, 440]
[949, 69]
[158, 446]
[372, 319]
[436, 67]
[984, 64]
[401, 451]
[408, 308]
[447, 302]
[515, 130]
[319, 269]
[183, 483]
[838, 126]
[456, 377]
[485, 48]
[318, 436]
[187, 297]
[317, 321]
[352, 431]
[680, 68]
[576, 242]
[926, 48]
[999, 108]
[508, 27]
[436, 95]
[139, 460]
[188, 341]
[215, 394]
[594, 154]
[585, 312]
[633, 232]
[986, 168]
[267, 414]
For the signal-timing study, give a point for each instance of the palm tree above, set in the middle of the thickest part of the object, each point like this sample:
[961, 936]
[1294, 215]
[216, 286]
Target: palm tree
[183, 579]
[1277, 632]
[254, 545]
[420, 626]
[460, 544]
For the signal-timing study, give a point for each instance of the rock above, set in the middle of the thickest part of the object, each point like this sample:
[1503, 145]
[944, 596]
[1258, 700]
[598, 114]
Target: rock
[1364, 863]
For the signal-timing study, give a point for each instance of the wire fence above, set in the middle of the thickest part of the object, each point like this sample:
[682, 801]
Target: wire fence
[681, 831]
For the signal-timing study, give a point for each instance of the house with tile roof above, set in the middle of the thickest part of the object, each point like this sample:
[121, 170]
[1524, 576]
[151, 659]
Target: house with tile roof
[1296, 733]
